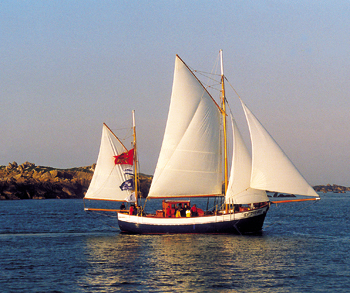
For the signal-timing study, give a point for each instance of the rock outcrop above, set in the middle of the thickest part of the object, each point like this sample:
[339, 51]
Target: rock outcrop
[28, 181]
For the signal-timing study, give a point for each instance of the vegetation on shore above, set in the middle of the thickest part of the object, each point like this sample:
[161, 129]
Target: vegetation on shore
[331, 188]
[28, 181]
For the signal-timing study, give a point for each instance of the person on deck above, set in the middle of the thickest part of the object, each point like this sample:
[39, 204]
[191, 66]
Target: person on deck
[178, 213]
[131, 210]
[182, 210]
[122, 206]
[168, 212]
[194, 211]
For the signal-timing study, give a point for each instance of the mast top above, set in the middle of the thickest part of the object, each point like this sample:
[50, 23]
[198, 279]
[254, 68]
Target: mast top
[221, 63]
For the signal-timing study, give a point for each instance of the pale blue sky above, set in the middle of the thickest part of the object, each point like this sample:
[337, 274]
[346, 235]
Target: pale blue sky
[68, 66]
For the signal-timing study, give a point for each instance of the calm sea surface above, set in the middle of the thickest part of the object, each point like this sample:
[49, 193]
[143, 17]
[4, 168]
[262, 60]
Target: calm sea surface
[54, 246]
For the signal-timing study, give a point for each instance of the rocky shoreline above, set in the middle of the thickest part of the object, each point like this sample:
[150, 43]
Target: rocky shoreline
[28, 181]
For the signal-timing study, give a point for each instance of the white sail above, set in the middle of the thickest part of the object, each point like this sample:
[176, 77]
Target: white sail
[238, 190]
[271, 168]
[108, 177]
[189, 161]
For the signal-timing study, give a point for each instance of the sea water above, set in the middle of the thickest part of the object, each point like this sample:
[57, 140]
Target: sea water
[54, 246]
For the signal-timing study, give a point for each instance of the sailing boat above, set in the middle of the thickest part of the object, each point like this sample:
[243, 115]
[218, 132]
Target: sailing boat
[193, 162]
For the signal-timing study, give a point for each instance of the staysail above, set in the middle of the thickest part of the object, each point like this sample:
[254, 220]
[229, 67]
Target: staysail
[189, 161]
[271, 168]
[239, 191]
[112, 179]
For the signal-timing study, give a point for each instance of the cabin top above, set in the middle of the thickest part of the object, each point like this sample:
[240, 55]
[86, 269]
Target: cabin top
[173, 204]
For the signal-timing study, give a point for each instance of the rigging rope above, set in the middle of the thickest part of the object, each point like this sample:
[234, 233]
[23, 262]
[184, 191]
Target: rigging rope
[126, 136]
[233, 88]
[209, 75]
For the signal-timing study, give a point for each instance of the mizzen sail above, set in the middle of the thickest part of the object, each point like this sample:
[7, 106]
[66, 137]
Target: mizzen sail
[111, 179]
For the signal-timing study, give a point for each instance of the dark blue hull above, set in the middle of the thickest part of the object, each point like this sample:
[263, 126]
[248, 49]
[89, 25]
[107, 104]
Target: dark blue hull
[242, 226]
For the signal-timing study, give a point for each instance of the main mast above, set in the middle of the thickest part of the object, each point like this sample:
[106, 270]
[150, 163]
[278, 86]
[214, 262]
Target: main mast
[223, 106]
[135, 158]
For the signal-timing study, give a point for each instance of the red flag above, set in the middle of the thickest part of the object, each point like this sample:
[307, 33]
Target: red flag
[126, 158]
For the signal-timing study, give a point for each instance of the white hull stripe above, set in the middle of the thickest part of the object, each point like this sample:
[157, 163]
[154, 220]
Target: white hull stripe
[191, 220]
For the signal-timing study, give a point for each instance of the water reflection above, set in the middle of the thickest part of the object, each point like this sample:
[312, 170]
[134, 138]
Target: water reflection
[304, 249]
[191, 263]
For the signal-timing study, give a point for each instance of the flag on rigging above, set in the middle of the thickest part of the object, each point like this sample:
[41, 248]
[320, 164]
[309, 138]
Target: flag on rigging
[127, 185]
[131, 197]
[126, 158]
[129, 171]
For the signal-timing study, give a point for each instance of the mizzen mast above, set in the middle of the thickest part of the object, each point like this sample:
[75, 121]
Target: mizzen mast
[135, 158]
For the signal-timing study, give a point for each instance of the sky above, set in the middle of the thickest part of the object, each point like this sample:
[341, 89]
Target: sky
[68, 66]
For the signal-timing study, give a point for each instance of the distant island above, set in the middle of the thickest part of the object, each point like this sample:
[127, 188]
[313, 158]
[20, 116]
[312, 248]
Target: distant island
[331, 188]
[28, 181]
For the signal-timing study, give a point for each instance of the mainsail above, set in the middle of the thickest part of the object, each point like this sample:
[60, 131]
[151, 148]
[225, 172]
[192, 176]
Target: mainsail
[107, 181]
[189, 162]
[271, 168]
